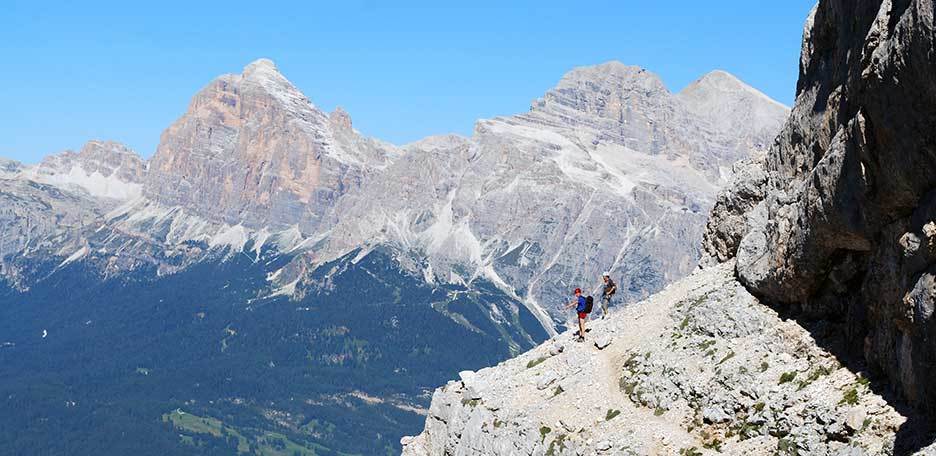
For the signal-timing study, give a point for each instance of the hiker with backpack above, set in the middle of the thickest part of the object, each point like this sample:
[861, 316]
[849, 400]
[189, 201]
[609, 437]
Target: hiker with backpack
[583, 306]
[607, 293]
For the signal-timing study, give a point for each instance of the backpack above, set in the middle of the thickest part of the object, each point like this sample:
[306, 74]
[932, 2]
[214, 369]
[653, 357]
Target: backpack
[589, 303]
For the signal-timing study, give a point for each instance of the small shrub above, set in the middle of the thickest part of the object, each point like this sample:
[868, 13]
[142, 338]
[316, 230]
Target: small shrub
[559, 443]
[471, 402]
[850, 396]
[713, 445]
[543, 432]
[759, 406]
[787, 377]
[611, 414]
[692, 451]
[864, 381]
[558, 391]
[764, 366]
[787, 447]
[659, 411]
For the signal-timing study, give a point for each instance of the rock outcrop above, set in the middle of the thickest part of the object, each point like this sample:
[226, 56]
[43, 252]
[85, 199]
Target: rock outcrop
[699, 368]
[838, 221]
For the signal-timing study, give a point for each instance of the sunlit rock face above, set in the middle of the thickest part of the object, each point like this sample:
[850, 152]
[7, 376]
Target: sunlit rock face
[252, 149]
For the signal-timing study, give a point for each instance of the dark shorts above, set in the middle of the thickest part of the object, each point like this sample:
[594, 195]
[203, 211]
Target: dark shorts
[582, 315]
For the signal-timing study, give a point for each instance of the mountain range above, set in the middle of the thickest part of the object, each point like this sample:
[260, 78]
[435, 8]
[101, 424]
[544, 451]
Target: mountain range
[272, 278]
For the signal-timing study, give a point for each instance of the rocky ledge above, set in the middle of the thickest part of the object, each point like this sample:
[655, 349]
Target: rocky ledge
[700, 368]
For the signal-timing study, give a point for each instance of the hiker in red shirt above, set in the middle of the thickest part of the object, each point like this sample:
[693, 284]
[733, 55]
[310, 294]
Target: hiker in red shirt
[580, 305]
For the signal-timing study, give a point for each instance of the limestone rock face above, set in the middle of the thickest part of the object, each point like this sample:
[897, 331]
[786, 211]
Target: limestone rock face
[252, 149]
[835, 223]
[609, 171]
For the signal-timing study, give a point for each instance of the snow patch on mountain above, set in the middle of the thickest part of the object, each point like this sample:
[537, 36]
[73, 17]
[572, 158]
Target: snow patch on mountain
[94, 183]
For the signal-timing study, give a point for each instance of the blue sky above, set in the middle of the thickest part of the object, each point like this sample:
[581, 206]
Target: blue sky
[73, 71]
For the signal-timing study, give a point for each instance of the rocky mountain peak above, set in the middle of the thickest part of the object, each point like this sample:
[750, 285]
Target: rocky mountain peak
[612, 74]
[722, 87]
[263, 74]
[600, 90]
[253, 150]
[261, 65]
[728, 104]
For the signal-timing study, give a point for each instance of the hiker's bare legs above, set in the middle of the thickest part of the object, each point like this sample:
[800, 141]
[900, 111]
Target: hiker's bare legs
[582, 328]
[605, 303]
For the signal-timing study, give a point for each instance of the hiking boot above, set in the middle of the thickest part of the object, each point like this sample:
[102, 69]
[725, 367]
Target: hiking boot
[580, 339]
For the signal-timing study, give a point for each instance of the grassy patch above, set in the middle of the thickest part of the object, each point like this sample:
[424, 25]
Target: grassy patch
[691, 451]
[536, 362]
[558, 391]
[471, 402]
[611, 414]
[204, 425]
[813, 376]
[265, 443]
[730, 355]
[659, 411]
[850, 396]
[684, 323]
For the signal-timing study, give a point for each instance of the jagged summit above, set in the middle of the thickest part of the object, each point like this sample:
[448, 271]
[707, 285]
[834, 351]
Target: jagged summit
[600, 89]
[253, 150]
[261, 64]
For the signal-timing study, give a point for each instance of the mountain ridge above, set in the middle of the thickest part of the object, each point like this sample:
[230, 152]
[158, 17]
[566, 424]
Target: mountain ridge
[306, 266]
